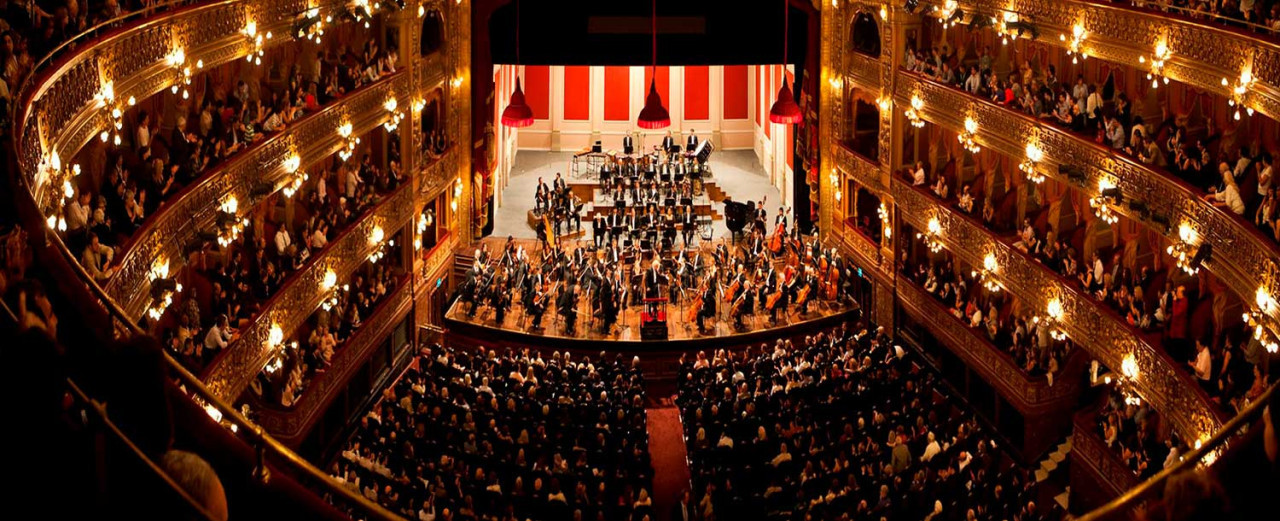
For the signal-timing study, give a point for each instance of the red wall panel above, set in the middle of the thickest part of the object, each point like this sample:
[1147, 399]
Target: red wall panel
[697, 96]
[664, 84]
[735, 92]
[617, 91]
[537, 90]
[577, 93]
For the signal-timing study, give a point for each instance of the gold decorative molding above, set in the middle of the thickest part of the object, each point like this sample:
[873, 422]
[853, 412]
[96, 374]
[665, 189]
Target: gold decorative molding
[1203, 54]
[179, 222]
[1087, 448]
[60, 113]
[1098, 330]
[292, 425]
[1242, 258]
[1030, 395]
[301, 294]
[862, 170]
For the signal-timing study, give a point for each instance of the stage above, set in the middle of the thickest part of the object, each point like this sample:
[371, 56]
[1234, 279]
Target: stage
[734, 173]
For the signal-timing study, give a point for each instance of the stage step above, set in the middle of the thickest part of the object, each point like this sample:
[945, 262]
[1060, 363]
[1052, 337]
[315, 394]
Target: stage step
[1053, 460]
[1063, 499]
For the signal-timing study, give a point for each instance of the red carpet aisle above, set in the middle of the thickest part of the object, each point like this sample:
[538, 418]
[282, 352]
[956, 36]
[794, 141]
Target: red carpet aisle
[670, 466]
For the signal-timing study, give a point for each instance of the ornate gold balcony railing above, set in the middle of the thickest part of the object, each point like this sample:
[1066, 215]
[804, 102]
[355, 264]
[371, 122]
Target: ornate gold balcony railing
[1089, 449]
[1098, 330]
[57, 109]
[291, 426]
[1202, 54]
[178, 223]
[1027, 393]
[302, 293]
[1242, 258]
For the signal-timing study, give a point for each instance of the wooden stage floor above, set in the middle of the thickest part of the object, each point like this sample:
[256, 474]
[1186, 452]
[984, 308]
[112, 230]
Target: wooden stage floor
[627, 328]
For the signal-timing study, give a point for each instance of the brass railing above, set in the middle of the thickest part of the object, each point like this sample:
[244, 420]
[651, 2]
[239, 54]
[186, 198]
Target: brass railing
[1202, 55]
[1209, 451]
[1242, 258]
[1029, 394]
[1098, 330]
[57, 111]
[179, 221]
[291, 426]
[1089, 449]
[233, 369]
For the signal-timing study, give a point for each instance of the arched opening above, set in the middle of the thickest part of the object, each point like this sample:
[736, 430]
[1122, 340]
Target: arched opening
[865, 34]
[864, 136]
[432, 124]
[432, 33]
[866, 212]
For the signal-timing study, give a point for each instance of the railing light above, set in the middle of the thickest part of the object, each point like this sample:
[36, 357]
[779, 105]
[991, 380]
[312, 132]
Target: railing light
[913, 113]
[1129, 367]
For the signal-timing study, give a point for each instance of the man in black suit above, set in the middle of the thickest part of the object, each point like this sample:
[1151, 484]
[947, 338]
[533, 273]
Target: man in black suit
[688, 222]
[628, 144]
[568, 305]
[668, 143]
[597, 229]
[652, 280]
[684, 510]
[693, 141]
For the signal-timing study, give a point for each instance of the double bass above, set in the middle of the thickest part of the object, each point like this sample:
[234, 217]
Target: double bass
[775, 241]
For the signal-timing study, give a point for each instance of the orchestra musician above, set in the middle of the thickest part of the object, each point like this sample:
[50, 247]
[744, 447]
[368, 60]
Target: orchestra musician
[687, 225]
[709, 291]
[652, 282]
[568, 306]
[693, 141]
[668, 143]
[628, 144]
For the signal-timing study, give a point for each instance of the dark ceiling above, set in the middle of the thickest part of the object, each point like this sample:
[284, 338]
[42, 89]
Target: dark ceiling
[617, 32]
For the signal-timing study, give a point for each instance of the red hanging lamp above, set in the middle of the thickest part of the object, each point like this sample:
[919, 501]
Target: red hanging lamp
[785, 110]
[517, 114]
[654, 115]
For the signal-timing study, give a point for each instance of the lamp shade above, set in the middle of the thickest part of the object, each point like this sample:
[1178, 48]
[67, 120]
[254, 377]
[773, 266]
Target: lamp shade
[785, 110]
[518, 114]
[654, 115]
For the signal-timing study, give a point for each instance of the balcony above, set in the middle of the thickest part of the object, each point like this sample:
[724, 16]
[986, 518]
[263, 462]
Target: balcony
[1242, 257]
[1102, 475]
[1203, 53]
[1104, 334]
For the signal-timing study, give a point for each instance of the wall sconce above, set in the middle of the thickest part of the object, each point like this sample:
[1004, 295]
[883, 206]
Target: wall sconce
[884, 13]
[311, 25]
[228, 223]
[62, 177]
[163, 289]
[292, 166]
[394, 115]
[349, 150]
[257, 42]
[275, 336]
[177, 60]
[422, 10]
[1240, 92]
[363, 11]
[106, 100]
[329, 281]
[1002, 26]
[966, 137]
[376, 236]
[1053, 320]
[1074, 44]
[1129, 367]
[884, 102]
[1028, 167]
[835, 82]
[1101, 203]
[1184, 251]
[418, 105]
[986, 274]
[456, 82]
[1259, 318]
[883, 212]
[1162, 55]
[950, 14]
[932, 235]
[913, 113]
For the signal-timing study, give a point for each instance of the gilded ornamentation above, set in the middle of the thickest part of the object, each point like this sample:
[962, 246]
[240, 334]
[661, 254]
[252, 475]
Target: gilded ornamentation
[301, 294]
[1029, 395]
[1095, 328]
[1088, 449]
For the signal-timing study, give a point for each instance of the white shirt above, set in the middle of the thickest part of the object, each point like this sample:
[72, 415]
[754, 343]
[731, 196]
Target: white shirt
[1098, 270]
[1231, 197]
[352, 181]
[77, 215]
[282, 240]
[1204, 365]
[318, 240]
[216, 338]
[144, 136]
[931, 450]
[917, 177]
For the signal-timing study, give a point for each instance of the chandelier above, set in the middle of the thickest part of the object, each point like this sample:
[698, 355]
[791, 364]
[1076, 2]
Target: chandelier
[1184, 250]
[163, 289]
[349, 149]
[950, 14]
[106, 100]
[229, 225]
[1053, 320]
[932, 235]
[1028, 166]
[52, 171]
[913, 113]
[1101, 203]
[394, 115]
[1239, 93]
[177, 60]
[257, 42]
[1158, 60]
[1003, 26]
[363, 11]
[883, 212]
[293, 167]
[966, 137]
[1259, 318]
[1075, 43]
[987, 272]
[378, 239]
[311, 26]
